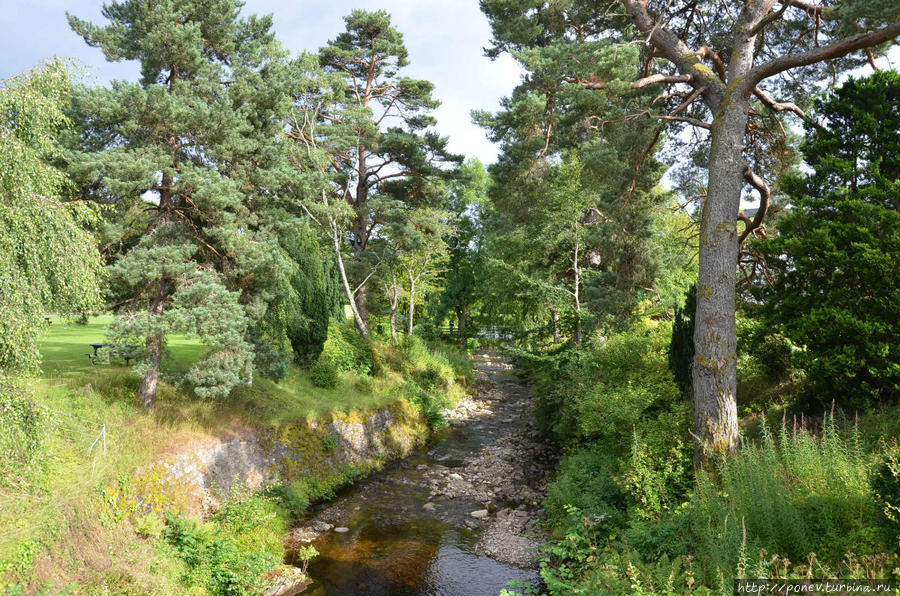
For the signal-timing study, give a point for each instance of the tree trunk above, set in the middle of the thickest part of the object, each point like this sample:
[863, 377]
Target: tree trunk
[394, 326]
[577, 294]
[412, 302]
[714, 369]
[554, 318]
[358, 319]
[146, 392]
[462, 316]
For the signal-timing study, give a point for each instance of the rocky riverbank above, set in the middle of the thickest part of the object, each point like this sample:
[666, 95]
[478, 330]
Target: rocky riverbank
[485, 475]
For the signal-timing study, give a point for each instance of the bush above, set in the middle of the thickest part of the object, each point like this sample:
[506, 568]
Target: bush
[609, 387]
[585, 482]
[347, 350]
[229, 555]
[324, 374]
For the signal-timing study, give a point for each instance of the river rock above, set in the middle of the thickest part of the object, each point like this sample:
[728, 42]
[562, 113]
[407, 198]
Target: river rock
[320, 526]
[428, 506]
[479, 514]
[342, 530]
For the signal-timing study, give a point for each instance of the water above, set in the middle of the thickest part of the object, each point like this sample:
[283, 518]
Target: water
[395, 547]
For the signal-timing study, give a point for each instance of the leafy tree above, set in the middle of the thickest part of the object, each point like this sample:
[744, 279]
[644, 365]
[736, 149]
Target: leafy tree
[418, 240]
[713, 65]
[466, 201]
[835, 259]
[379, 152]
[48, 261]
[195, 144]
[547, 119]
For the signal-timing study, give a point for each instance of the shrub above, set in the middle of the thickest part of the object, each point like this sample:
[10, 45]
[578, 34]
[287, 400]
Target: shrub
[216, 563]
[609, 387]
[432, 402]
[348, 350]
[304, 555]
[229, 554]
[585, 481]
[324, 374]
[150, 526]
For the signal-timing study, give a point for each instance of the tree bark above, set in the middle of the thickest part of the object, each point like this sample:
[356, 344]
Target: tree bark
[412, 302]
[358, 320]
[146, 392]
[462, 316]
[394, 327]
[554, 318]
[714, 370]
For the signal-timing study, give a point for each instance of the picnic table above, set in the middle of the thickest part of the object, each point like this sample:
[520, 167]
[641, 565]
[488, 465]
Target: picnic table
[94, 356]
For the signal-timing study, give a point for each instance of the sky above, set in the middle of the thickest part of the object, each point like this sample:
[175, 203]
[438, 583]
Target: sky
[445, 39]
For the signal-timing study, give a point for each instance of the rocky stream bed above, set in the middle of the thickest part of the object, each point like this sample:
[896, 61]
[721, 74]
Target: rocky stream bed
[460, 518]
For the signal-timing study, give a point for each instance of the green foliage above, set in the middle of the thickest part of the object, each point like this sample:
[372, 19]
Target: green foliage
[324, 374]
[23, 426]
[150, 525]
[201, 133]
[347, 350]
[315, 296]
[886, 485]
[201, 307]
[48, 261]
[681, 346]
[304, 555]
[841, 234]
[610, 387]
[329, 443]
[229, 554]
[217, 564]
[585, 481]
[792, 494]
[656, 481]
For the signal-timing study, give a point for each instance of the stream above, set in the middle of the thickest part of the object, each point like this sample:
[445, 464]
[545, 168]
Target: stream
[459, 518]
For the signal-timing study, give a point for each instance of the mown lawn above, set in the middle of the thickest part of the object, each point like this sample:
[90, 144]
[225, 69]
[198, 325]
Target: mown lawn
[80, 398]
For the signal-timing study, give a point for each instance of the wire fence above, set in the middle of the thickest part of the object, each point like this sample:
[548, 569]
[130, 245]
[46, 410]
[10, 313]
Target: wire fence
[77, 429]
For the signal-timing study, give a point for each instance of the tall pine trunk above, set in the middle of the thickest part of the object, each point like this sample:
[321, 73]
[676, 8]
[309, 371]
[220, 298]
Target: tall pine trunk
[714, 370]
[146, 392]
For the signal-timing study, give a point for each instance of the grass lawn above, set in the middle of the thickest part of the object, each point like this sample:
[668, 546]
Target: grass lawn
[80, 398]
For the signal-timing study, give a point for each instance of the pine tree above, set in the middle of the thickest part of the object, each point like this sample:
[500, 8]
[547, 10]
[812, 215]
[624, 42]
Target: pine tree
[721, 68]
[192, 152]
[834, 261]
[387, 154]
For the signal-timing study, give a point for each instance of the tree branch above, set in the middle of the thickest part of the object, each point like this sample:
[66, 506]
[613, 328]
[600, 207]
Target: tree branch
[834, 50]
[659, 78]
[765, 194]
[776, 106]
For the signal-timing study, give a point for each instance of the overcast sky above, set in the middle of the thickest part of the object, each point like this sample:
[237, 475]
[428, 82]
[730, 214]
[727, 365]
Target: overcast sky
[445, 39]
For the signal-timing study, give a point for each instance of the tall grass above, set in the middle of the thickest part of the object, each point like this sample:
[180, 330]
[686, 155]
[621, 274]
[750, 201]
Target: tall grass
[792, 494]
